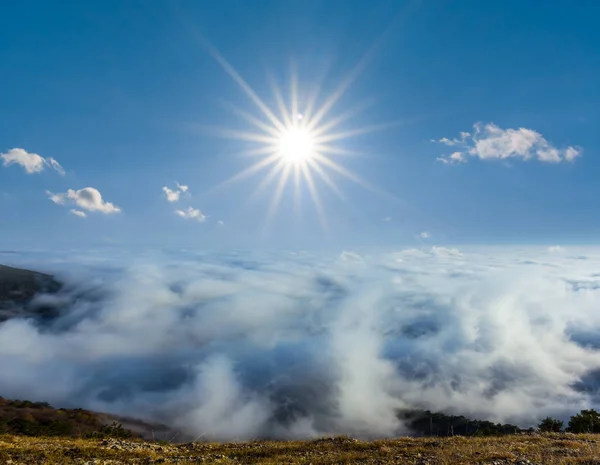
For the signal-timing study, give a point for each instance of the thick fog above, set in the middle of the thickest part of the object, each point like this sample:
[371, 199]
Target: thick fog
[246, 345]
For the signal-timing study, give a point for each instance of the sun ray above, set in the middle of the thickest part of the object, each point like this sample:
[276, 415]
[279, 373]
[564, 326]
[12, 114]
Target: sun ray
[356, 132]
[326, 178]
[312, 99]
[247, 172]
[315, 197]
[341, 90]
[297, 193]
[278, 192]
[255, 121]
[267, 179]
[256, 152]
[332, 150]
[226, 133]
[280, 102]
[246, 87]
[294, 92]
[343, 171]
[333, 123]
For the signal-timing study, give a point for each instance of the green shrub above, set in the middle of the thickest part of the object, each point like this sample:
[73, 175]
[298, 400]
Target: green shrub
[550, 425]
[586, 421]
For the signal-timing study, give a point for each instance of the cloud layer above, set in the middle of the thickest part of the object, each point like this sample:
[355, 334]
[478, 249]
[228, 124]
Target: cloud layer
[244, 345]
[88, 199]
[30, 162]
[489, 142]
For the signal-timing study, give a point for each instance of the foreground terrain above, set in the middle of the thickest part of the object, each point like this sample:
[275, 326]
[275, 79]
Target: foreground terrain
[513, 449]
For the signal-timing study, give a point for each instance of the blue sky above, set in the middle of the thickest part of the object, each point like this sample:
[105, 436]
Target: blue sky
[123, 96]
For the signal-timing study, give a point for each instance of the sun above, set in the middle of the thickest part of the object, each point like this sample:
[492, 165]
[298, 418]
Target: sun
[296, 141]
[296, 145]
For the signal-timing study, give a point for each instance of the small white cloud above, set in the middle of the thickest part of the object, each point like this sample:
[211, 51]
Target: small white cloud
[78, 213]
[172, 196]
[220, 223]
[454, 157]
[572, 153]
[489, 141]
[191, 213]
[30, 162]
[87, 198]
[555, 249]
[445, 140]
[425, 235]
[58, 199]
[387, 219]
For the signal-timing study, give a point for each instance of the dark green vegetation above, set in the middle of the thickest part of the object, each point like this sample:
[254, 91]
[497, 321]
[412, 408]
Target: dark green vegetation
[426, 423]
[550, 425]
[22, 417]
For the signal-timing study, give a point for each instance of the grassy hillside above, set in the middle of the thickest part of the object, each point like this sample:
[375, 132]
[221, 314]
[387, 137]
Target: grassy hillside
[501, 450]
[22, 417]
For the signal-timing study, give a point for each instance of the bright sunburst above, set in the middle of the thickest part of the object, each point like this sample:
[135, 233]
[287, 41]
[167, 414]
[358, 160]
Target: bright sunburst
[299, 144]
[296, 145]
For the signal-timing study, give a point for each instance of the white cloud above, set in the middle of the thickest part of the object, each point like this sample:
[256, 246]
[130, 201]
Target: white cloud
[78, 213]
[173, 195]
[30, 162]
[425, 235]
[555, 249]
[572, 153]
[489, 142]
[445, 140]
[191, 213]
[454, 157]
[387, 219]
[87, 198]
[220, 223]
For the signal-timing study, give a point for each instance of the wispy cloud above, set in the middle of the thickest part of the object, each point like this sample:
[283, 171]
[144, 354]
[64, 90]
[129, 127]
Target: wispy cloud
[387, 219]
[87, 198]
[30, 162]
[191, 213]
[425, 235]
[488, 142]
[78, 213]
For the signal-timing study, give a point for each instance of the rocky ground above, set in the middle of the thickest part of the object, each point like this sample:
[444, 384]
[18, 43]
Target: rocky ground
[503, 450]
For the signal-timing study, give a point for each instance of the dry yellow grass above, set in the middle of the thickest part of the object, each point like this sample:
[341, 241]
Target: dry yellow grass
[519, 449]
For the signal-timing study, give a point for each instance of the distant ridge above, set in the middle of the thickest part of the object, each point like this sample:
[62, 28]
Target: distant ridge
[18, 287]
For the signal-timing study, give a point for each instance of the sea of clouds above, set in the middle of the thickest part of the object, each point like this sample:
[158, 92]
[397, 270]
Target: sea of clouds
[242, 345]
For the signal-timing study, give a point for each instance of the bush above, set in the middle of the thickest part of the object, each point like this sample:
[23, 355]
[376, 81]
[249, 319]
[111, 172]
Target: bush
[586, 421]
[550, 425]
[114, 430]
